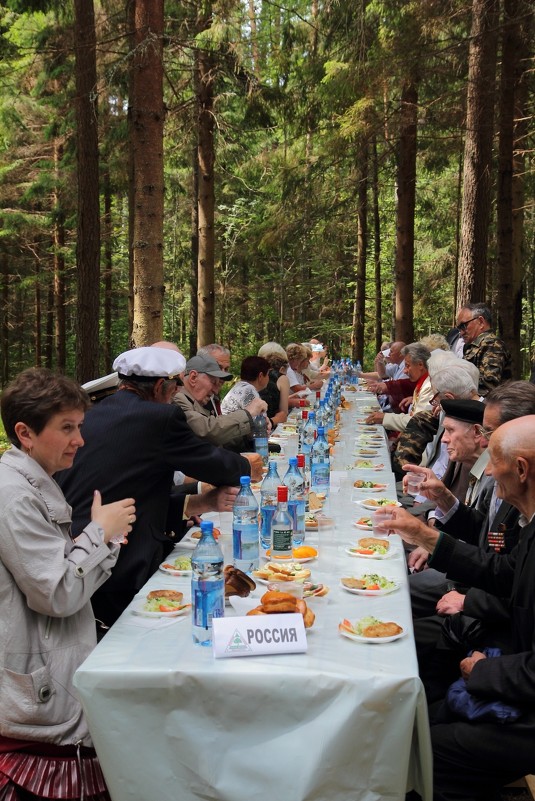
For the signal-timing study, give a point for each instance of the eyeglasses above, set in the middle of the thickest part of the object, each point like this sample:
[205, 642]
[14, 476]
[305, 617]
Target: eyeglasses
[483, 432]
[435, 400]
[464, 326]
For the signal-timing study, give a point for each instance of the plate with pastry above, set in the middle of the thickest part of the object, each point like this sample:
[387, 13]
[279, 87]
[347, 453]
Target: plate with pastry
[364, 524]
[180, 566]
[368, 584]
[291, 571]
[311, 523]
[371, 486]
[274, 602]
[371, 548]
[367, 464]
[162, 603]
[370, 629]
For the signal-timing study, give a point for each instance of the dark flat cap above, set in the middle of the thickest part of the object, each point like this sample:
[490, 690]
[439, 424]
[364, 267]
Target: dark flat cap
[468, 411]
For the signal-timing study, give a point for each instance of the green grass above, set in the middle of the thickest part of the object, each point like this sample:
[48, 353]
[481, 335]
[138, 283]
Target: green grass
[4, 442]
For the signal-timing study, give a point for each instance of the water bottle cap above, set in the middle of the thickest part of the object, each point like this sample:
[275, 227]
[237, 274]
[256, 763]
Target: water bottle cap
[245, 480]
[321, 431]
[312, 415]
[292, 460]
[207, 527]
[300, 459]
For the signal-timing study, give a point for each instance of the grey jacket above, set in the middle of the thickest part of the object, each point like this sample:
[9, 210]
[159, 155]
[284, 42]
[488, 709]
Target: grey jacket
[47, 626]
[233, 430]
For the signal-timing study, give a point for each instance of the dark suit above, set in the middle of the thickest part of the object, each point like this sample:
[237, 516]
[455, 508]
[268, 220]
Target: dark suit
[473, 759]
[133, 446]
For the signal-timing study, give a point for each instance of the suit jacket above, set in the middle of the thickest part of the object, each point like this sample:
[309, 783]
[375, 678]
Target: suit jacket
[232, 430]
[133, 446]
[511, 677]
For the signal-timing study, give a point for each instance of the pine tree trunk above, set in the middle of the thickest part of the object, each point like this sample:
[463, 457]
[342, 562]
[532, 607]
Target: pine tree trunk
[59, 258]
[108, 271]
[206, 200]
[406, 200]
[88, 226]
[477, 184]
[377, 251]
[147, 115]
[359, 305]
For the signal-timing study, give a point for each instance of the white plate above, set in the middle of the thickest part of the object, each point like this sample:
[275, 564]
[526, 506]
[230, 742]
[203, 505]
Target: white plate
[358, 638]
[374, 467]
[373, 506]
[173, 571]
[301, 560]
[386, 555]
[369, 453]
[362, 527]
[308, 527]
[139, 610]
[355, 591]
[370, 489]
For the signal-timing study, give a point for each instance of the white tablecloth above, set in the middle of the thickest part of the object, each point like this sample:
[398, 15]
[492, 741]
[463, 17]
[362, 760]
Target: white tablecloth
[345, 721]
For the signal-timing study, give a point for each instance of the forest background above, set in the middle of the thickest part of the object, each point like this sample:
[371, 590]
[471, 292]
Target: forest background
[247, 170]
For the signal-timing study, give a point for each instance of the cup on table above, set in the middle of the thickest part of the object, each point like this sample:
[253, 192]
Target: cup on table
[413, 483]
[294, 588]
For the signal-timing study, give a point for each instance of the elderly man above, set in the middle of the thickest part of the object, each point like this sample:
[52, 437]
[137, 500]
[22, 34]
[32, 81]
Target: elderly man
[482, 347]
[201, 379]
[471, 759]
[137, 439]
[416, 357]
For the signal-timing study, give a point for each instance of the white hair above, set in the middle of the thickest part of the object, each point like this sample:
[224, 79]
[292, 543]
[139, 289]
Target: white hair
[272, 347]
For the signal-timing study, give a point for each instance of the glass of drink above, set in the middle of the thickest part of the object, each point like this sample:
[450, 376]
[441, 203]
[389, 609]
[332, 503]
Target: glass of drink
[382, 516]
[413, 483]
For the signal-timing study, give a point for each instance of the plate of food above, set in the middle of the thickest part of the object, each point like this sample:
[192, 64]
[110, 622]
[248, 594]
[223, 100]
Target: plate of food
[371, 629]
[311, 523]
[162, 603]
[291, 571]
[364, 524]
[373, 486]
[180, 566]
[377, 503]
[311, 590]
[371, 548]
[368, 584]
[370, 453]
[315, 501]
[367, 464]
[301, 553]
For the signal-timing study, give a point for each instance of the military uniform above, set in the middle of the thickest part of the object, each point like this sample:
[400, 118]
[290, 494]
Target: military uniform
[492, 359]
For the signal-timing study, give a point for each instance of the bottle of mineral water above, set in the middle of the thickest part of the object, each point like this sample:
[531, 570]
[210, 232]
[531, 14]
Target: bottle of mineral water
[245, 528]
[320, 465]
[268, 504]
[307, 439]
[296, 499]
[260, 437]
[281, 527]
[207, 585]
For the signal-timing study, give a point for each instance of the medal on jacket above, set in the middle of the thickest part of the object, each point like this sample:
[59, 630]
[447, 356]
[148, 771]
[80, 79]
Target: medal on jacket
[496, 539]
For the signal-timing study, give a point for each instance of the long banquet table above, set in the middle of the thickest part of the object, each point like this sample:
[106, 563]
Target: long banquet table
[346, 720]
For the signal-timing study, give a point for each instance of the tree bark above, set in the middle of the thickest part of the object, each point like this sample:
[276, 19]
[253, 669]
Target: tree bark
[406, 201]
[377, 250]
[193, 313]
[146, 116]
[59, 263]
[359, 304]
[477, 184]
[88, 225]
[206, 200]
[108, 270]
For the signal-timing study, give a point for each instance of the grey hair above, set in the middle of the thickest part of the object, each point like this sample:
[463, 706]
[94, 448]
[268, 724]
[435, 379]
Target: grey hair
[461, 383]
[209, 350]
[417, 352]
[440, 359]
[479, 310]
[513, 399]
[435, 342]
[271, 347]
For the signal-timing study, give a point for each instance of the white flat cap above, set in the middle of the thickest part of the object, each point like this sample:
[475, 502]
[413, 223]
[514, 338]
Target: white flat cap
[104, 382]
[149, 363]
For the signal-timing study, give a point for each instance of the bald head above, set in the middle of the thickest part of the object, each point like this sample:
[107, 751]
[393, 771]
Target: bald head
[512, 463]
[165, 344]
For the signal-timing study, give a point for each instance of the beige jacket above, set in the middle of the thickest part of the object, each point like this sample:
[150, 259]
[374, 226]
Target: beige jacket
[421, 402]
[47, 626]
[233, 430]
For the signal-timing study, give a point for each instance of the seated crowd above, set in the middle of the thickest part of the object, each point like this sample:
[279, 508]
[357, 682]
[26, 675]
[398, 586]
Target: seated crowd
[452, 416]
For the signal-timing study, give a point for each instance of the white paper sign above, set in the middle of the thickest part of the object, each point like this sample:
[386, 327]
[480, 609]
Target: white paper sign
[258, 634]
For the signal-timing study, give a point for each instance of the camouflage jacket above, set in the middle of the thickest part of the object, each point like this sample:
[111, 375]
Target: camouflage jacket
[492, 359]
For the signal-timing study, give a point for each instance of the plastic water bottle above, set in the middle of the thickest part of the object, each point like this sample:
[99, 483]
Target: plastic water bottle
[296, 499]
[268, 504]
[207, 585]
[260, 437]
[307, 439]
[281, 527]
[320, 465]
[245, 528]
